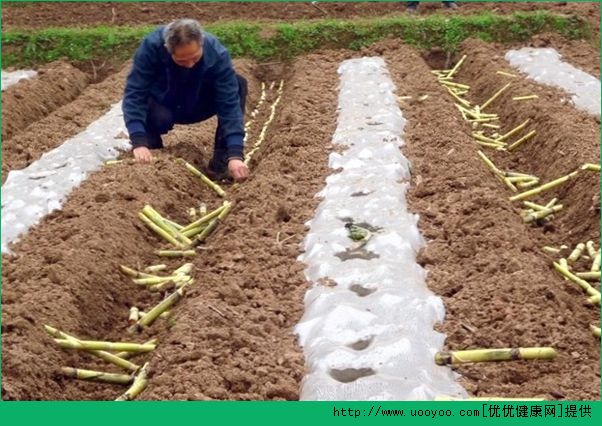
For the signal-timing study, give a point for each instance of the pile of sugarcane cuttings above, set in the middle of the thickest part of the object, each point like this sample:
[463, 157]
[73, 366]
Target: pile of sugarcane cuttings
[488, 136]
[183, 239]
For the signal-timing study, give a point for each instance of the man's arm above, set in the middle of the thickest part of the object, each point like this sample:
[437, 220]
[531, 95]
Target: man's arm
[137, 91]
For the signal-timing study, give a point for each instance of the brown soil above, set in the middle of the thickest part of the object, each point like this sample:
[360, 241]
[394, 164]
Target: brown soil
[498, 287]
[111, 13]
[28, 145]
[31, 99]
[231, 337]
[247, 350]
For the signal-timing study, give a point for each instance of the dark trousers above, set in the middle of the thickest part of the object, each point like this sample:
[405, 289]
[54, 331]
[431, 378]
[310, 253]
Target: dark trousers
[160, 120]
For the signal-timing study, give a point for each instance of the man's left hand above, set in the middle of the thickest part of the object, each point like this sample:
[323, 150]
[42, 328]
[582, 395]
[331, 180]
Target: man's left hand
[238, 169]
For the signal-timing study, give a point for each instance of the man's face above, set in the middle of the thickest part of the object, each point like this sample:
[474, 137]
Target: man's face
[187, 55]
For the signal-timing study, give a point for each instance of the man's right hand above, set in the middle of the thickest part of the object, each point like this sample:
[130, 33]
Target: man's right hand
[142, 154]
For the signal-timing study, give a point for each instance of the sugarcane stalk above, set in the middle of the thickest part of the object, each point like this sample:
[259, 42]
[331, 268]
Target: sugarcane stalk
[156, 268]
[488, 140]
[506, 74]
[96, 376]
[591, 249]
[576, 253]
[153, 281]
[489, 355]
[535, 206]
[489, 164]
[192, 214]
[160, 231]
[173, 224]
[133, 273]
[491, 145]
[203, 209]
[518, 179]
[107, 356]
[544, 187]
[591, 166]
[139, 384]
[551, 250]
[510, 185]
[459, 99]
[154, 313]
[127, 355]
[595, 330]
[495, 96]
[207, 231]
[550, 205]
[591, 276]
[457, 66]
[527, 184]
[458, 85]
[594, 300]
[134, 314]
[596, 263]
[167, 285]
[104, 346]
[564, 264]
[591, 291]
[194, 231]
[525, 98]
[204, 219]
[185, 269]
[522, 140]
[161, 222]
[515, 130]
[176, 253]
[113, 162]
[214, 186]
[541, 214]
[491, 126]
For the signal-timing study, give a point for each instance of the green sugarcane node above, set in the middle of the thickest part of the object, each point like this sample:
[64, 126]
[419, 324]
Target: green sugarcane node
[175, 253]
[139, 384]
[96, 376]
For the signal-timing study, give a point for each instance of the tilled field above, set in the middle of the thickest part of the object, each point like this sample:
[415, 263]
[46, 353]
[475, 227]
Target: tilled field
[232, 336]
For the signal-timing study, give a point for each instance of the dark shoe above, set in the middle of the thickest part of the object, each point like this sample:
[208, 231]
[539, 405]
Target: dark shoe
[451, 5]
[217, 170]
[412, 9]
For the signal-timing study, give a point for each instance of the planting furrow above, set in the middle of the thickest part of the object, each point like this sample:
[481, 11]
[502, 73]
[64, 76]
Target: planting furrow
[233, 337]
[23, 104]
[499, 289]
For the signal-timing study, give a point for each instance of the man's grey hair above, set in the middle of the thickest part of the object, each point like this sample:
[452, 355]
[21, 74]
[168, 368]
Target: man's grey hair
[180, 32]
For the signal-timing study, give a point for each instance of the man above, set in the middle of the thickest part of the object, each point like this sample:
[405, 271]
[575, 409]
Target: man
[413, 6]
[183, 75]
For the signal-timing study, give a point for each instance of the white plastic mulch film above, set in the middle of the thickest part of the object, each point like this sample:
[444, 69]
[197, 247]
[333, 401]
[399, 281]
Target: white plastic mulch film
[31, 193]
[544, 65]
[13, 77]
[367, 332]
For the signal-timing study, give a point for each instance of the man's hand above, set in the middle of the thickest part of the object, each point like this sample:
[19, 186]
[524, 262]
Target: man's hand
[142, 154]
[238, 169]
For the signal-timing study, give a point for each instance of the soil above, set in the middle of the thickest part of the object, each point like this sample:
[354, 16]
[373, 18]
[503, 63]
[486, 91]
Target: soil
[55, 85]
[249, 290]
[498, 287]
[112, 13]
[50, 131]
[231, 337]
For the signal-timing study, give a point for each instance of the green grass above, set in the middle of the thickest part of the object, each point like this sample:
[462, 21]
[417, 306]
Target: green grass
[283, 40]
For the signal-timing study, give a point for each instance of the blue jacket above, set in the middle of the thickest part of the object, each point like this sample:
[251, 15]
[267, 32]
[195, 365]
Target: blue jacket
[154, 74]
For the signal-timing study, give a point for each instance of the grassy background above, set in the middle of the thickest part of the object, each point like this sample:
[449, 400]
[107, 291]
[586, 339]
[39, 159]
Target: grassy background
[283, 40]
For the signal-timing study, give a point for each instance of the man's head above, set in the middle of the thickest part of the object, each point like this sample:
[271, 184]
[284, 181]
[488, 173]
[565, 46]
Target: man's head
[184, 41]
